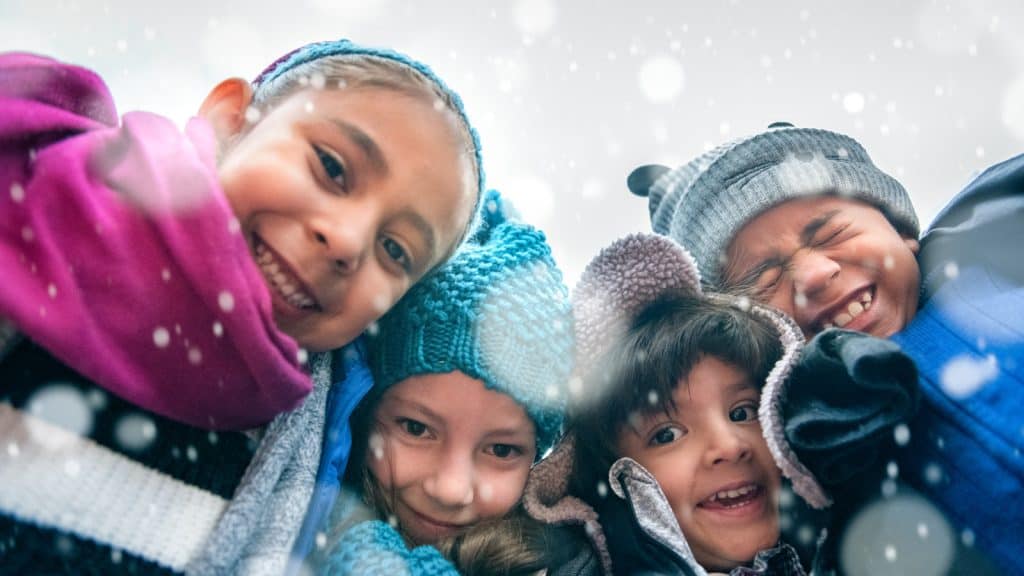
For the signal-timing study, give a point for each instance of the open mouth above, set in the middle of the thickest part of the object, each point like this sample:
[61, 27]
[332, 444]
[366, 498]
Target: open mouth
[282, 279]
[734, 498]
[843, 315]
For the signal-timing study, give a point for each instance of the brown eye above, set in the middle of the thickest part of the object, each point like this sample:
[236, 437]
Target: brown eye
[413, 427]
[666, 435]
[332, 167]
[505, 451]
[743, 413]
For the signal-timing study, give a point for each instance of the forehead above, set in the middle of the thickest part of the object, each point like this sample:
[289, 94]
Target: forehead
[782, 222]
[459, 398]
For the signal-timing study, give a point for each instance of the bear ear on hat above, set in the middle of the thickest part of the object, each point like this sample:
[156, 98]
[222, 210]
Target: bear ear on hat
[641, 179]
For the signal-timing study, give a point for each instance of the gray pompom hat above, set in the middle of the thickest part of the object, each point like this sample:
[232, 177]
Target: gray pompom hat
[705, 202]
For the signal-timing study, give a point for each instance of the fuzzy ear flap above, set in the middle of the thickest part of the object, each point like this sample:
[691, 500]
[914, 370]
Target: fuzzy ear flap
[546, 498]
[224, 107]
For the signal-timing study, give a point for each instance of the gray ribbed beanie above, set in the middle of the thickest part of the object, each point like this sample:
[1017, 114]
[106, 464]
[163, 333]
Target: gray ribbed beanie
[705, 202]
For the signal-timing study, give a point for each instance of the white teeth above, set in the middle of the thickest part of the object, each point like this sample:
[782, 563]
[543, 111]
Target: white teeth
[734, 493]
[853, 309]
[278, 278]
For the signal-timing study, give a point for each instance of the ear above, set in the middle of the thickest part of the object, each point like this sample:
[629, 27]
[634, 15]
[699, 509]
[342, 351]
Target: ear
[913, 244]
[224, 108]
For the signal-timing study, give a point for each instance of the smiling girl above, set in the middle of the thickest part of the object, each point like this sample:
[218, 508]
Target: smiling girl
[665, 462]
[469, 375]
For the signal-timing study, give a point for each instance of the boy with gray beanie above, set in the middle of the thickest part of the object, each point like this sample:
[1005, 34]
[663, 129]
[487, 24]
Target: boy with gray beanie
[802, 219]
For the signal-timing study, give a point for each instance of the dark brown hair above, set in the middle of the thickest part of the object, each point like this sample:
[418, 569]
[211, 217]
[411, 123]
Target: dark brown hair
[639, 374]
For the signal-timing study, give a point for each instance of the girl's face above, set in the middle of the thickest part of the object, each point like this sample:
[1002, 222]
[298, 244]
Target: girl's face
[450, 452]
[712, 463]
[346, 198]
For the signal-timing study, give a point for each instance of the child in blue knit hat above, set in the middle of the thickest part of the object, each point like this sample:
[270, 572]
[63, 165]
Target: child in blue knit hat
[802, 219]
[200, 277]
[470, 372]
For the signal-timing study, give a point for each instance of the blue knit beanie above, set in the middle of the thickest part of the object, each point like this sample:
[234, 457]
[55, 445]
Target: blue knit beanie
[498, 311]
[329, 48]
[705, 202]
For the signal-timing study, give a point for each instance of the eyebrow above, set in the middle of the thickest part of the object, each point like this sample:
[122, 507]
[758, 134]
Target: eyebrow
[413, 405]
[365, 144]
[812, 227]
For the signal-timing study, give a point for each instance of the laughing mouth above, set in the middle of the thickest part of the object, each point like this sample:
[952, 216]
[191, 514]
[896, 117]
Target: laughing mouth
[282, 279]
[734, 498]
[845, 314]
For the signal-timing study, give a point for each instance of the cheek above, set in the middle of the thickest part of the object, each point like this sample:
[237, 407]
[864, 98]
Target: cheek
[500, 492]
[389, 462]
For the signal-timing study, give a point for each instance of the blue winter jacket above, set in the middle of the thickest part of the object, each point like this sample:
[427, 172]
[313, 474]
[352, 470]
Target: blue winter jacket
[966, 443]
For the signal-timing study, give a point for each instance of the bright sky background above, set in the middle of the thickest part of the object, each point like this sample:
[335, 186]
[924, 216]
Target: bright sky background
[569, 96]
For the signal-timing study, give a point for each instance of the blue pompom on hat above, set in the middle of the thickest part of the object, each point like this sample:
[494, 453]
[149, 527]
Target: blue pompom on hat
[498, 311]
[705, 202]
[343, 47]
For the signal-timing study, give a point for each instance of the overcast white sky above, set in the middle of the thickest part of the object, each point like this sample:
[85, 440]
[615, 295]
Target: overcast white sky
[569, 97]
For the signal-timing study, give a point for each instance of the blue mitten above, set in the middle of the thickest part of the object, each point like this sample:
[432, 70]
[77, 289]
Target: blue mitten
[353, 372]
[376, 548]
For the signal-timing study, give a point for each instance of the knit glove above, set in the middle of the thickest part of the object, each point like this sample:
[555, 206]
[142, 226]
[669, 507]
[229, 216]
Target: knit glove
[845, 395]
[375, 548]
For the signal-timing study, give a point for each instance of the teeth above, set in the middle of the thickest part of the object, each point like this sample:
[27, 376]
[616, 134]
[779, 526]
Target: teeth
[734, 493]
[278, 278]
[853, 309]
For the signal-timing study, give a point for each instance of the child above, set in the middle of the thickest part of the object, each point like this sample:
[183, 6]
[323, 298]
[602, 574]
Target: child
[469, 374]
[188, 274]
[803, 220]
[666, 443]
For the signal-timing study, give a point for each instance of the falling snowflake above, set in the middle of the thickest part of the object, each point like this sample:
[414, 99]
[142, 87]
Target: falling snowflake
[964, 375]
[63, 405]
[17, 193]
[853, 102]
[161, 337]
[226, 301]
[135, 432]
[662, 79]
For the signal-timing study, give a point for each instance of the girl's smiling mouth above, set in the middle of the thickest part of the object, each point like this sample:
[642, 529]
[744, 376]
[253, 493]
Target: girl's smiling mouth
[282, 279]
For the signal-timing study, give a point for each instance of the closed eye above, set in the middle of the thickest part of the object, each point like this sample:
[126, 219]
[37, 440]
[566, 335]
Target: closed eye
[830, 236]
[332, 166]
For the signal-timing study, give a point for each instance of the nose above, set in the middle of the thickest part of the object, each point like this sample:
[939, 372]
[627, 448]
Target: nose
[344, 241]
[452, 484]
[812, 273]
[726, 444]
